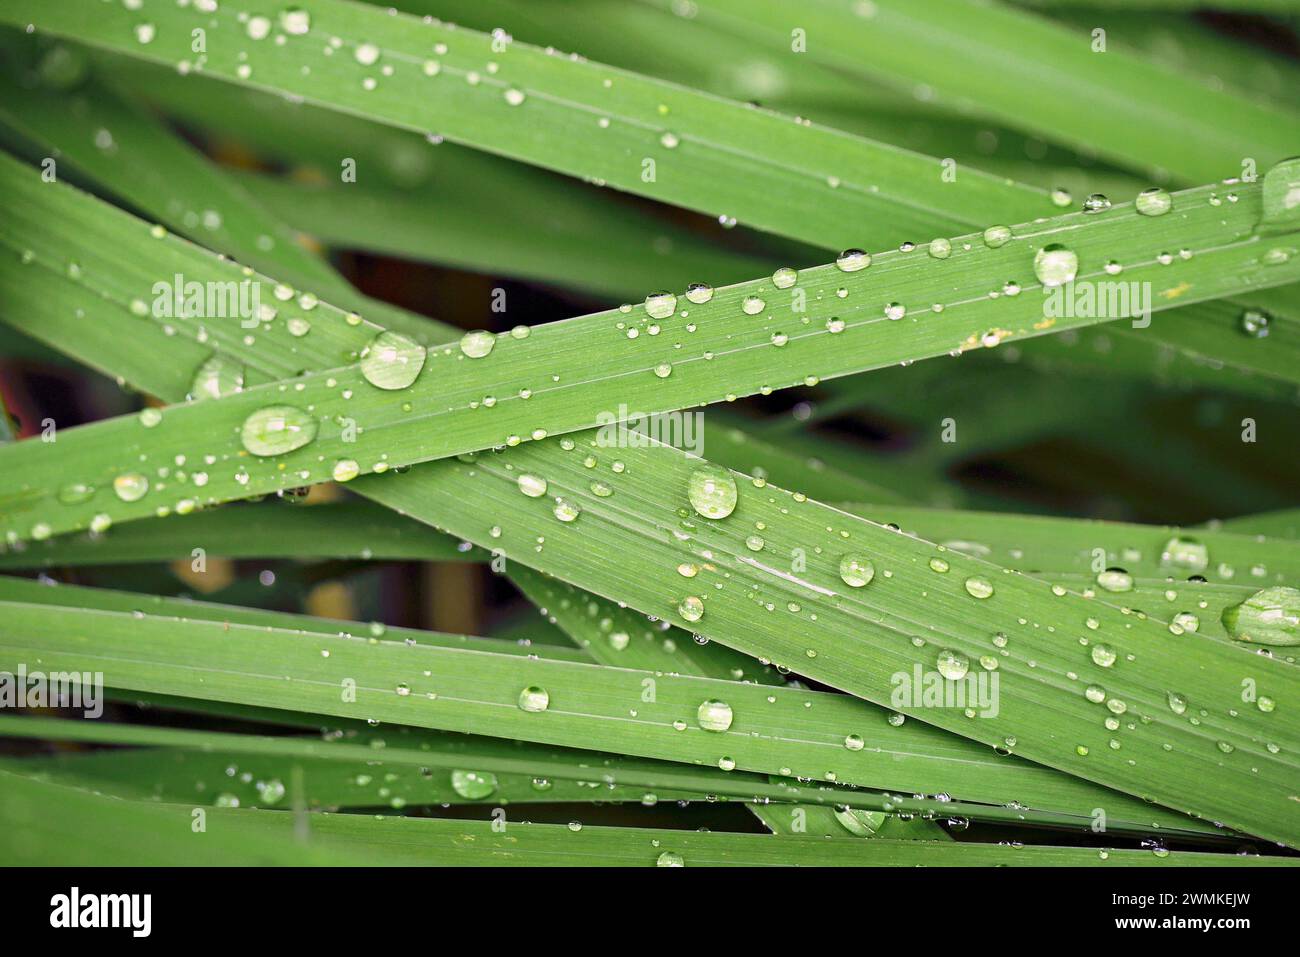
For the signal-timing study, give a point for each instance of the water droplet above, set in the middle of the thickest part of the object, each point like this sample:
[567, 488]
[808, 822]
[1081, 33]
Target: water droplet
[534, 486]
[1154, 202]
[691, 608]
[670, 859]
[1055, 265]
[938, 565]
[534, 699]
[145, 32]
[713, 715]
[669, 141]
[699, 293]
[295, 21]
[940, 248]
[130, 486]
[978, 587]
[345, 470]
[392, 360]
[149, 417]
[1103, 656]
[996, 236]
[1061, 197]
[856, 570]
[257, 27]
[1096, 203]
[712, 491]
[1115, 579]
[277, 429]
[514, 97]
[1186, 553]
[565, 510]
[852, 260]
[752, 305]
[784, 278]
[952, 665]
[1271, 616]
[1177, 702]
[473, 785]
[854, 742]
[367, 54]
[1254, 323]
[219, 375]
[660, 305]
[477, 343]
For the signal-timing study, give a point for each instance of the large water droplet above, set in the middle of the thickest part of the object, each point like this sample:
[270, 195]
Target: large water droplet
[534, 699]
[712, 491]
[699, 293]
[952, 665]
[1054, 265]
[1154, 202]
[130, 486]
[534, 486]
[713, 715]
[660, 305]
[392, 360]
[1103, 656]
[1183, 552]
[219, 375]
[856, 570]
[277, 429]
[1254, 323]
[1115, 579]
[691, 608]
[295, 21]
[852, 260]
[477, 343]
[1271, 616]
[473, 785]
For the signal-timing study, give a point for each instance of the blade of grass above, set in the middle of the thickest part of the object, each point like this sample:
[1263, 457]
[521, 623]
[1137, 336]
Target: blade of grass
[782, 731]
[721, 156]
[1034, 75]
[546, 380]
[45, 821]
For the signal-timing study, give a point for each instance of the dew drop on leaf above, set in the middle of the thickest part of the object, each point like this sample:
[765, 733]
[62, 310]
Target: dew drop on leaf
[277, 429]
[712, 491]
[392, 360]
[714, 715]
